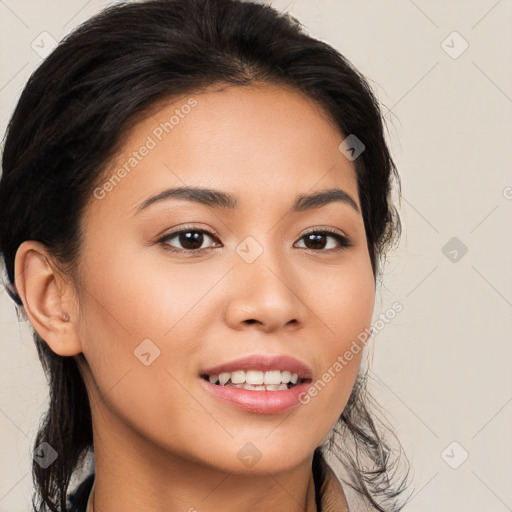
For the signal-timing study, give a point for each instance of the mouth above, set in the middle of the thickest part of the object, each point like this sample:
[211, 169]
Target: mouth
[235, 389]
[259, 372]
[256, 380]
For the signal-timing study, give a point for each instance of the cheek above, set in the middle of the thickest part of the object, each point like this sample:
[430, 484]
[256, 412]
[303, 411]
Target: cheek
[141, 325]
[133, 298]
[138, 295]
[342, 300]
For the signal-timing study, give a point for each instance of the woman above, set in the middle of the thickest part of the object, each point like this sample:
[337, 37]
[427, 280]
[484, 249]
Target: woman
[196, 200]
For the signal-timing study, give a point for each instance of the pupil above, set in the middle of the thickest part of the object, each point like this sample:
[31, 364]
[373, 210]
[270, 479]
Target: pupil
[191, 239]
[316, 238]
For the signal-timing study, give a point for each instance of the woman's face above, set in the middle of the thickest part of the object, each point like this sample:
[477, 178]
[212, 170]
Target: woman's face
[244, 280]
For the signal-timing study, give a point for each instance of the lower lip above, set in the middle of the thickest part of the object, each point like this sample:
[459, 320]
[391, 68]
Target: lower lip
[262, 402]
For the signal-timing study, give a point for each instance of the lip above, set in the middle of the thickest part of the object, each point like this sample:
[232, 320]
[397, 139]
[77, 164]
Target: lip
[261, 402]
[263, 363]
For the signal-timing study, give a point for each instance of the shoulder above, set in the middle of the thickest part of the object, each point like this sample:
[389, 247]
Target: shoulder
[77, 500]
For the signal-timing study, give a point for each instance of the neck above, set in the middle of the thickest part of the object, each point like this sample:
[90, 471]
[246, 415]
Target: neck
[229, 493]
[134, 474]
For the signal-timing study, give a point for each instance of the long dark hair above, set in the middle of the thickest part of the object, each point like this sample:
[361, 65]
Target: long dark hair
[70, 120]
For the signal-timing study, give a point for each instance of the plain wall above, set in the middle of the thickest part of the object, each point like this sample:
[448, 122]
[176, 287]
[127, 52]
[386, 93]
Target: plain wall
[441, 368]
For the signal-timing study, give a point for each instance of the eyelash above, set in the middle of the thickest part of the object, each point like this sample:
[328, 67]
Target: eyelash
[343, 240]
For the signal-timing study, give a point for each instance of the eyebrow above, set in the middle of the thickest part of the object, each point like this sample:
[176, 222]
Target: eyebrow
[219, 199]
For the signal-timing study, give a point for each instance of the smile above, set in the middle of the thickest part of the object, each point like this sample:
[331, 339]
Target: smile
[254, 380]
[258, 383]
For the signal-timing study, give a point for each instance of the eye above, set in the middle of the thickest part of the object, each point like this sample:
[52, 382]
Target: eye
[191, 240]
[317, 238]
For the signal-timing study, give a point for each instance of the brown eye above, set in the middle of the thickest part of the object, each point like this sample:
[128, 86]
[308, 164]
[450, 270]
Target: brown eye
[192, 240]
[317, 240]
[189, 239]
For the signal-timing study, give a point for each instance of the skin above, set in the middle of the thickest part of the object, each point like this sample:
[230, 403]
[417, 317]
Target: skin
[161, 441]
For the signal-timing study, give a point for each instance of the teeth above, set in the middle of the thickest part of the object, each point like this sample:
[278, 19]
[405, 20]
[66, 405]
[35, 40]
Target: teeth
[253, 387]
[255, 379]
[272, 377]
[223, 378]
[269, 387]
[286, 376]
[238, 377]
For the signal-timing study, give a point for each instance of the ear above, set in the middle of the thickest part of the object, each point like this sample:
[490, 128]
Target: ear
[47, 298]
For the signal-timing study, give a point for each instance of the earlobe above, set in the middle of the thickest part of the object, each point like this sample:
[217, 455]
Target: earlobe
[45, 298]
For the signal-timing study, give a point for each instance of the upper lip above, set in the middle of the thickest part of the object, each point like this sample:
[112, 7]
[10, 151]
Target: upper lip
[263, 363]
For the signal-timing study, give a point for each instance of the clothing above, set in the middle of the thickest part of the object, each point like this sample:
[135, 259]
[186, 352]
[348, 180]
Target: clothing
[333, 498]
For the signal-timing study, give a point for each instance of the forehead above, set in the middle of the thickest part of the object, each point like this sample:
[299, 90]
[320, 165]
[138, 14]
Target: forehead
[257, 142]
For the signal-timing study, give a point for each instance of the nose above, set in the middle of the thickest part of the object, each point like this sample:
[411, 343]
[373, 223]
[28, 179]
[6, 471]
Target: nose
[265, 293]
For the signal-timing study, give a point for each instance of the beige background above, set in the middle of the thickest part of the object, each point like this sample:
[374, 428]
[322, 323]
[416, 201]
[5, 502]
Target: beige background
[441, 368]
